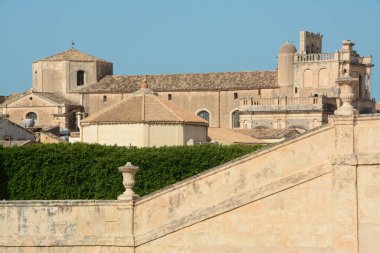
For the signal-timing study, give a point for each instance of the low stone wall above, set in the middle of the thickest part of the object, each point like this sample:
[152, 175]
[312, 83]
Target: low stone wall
[81, 226]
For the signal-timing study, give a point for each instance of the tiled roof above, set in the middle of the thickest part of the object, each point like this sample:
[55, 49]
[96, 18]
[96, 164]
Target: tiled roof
[180, 82]
[72, 55]
[51, 96]
[229, 136]
[267, 133]
[144, 108]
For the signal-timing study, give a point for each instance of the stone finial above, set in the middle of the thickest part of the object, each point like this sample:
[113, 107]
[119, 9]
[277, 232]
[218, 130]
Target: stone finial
[346, 86]
[129, 172]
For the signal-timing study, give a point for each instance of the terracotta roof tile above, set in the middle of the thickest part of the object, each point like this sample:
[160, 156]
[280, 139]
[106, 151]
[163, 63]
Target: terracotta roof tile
[72, 55]
[178, 82]
[144, 108]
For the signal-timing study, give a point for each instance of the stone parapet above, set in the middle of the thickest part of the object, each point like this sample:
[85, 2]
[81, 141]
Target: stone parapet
[286, 104]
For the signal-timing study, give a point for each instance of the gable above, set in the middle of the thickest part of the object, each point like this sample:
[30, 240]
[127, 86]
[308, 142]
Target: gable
[32, 100]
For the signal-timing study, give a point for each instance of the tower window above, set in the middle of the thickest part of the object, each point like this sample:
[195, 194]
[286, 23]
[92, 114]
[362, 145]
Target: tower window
[169, 96]
[80, 78]
[236, 96]
[104, 99]
[259, 92]
[295, 90]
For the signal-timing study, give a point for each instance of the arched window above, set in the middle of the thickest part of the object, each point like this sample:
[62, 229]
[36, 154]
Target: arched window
[204, 115]
[80, 78]
[235, 119]
[323, 78]
[31, 118]
[31, 115]
[104, 99]
[307, 78]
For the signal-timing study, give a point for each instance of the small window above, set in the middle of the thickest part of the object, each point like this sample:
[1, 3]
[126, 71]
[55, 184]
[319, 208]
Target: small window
[204, 115]
[30, 98]
[295, 90]
[259, 92]
[104, 99]
[169, 96]
[80, 78]
[236, 96]
[235, 119]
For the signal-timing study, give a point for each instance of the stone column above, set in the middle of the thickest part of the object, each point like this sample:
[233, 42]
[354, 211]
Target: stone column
[129, 172]
[346, 86]
[344, 195]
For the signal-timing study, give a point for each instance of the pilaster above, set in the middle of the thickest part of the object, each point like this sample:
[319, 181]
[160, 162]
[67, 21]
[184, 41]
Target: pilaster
[344, 196]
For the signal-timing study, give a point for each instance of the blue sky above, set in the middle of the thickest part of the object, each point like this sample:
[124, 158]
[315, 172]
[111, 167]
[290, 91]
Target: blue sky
[178, 36]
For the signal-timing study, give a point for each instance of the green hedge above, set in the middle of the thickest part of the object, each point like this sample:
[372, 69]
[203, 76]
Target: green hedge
[84, 171]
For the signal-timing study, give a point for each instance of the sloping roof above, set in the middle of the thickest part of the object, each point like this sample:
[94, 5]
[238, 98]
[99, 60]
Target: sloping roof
[144, 108]
[6, 144]
[72, 55]
[268, 133]
[2, 98]
[51, 96]
[229, 136]
[180, 82]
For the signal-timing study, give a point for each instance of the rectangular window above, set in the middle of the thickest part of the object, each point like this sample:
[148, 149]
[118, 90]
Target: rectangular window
[259, 92]
[169, 96]
[80, 78]
[236, 96]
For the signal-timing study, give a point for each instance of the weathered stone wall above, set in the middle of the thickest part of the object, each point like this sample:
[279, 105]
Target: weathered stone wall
[187, 208]
[316, 193]
[66, 226]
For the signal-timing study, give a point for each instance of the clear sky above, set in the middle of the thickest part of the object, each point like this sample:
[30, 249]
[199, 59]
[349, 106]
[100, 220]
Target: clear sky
[178, 36]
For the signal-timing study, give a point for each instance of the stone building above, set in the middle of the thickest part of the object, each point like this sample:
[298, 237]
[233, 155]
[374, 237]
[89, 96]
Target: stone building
[45, 109]
[143, 120]
[301, 93]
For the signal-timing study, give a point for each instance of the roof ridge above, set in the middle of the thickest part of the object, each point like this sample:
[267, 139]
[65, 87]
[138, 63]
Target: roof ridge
[72, 54]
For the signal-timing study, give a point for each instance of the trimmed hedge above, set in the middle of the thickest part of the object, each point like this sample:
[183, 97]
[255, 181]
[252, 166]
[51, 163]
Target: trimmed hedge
[87, 171]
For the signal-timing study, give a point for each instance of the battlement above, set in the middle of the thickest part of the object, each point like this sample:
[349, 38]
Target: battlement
[310, 43]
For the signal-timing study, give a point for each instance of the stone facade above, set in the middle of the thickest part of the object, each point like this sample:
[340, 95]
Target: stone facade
[46, 109]
[315, 193]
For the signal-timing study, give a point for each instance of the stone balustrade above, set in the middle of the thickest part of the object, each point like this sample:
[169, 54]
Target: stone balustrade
[285, 104]
[315, 57]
